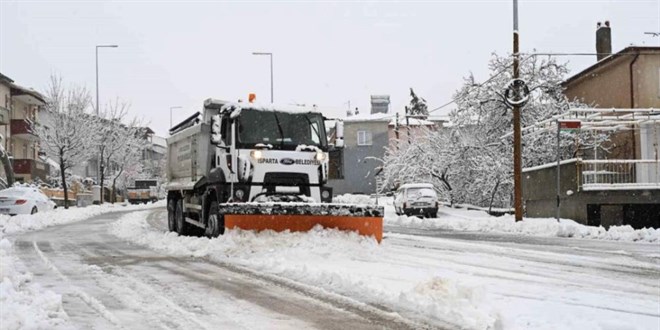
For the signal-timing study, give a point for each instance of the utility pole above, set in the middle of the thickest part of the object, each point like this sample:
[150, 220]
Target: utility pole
[517, 147]
[407, 125]
[396, 128]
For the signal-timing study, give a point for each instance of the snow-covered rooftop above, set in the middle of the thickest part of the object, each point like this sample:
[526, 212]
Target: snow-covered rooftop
[369, 117]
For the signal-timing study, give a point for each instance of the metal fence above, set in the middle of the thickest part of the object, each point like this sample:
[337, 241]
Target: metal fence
[612, 174]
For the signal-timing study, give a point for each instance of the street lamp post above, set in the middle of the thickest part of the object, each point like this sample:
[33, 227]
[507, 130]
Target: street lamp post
[97, 73]
[271, 71]
[100, 160]
[172, 108]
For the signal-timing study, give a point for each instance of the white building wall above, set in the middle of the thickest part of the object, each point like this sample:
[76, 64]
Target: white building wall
[649, 137]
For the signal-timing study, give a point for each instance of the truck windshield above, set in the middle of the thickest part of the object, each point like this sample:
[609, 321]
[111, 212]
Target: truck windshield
[281, 130]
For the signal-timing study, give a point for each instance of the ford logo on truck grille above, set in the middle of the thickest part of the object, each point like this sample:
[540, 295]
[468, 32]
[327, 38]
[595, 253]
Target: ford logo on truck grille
[287, 161]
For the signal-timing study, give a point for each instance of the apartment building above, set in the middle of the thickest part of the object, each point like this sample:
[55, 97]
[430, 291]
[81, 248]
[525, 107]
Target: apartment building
[18, 107]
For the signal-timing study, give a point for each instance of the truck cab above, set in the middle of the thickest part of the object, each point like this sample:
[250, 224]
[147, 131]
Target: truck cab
[265, 151]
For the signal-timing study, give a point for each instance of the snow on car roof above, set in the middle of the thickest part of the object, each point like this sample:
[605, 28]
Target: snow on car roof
[17, 191]
[416, 185]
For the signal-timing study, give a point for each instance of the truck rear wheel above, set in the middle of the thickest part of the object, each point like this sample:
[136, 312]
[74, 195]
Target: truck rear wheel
[181, 225]
[171, 211]
[215, 226]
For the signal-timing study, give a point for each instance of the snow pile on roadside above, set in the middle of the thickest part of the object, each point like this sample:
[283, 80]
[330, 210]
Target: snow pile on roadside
[466, 220]
[26, 305]
[339, 262]
[26, 222]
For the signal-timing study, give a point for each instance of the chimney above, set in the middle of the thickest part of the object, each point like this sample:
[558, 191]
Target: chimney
[380, 104]
[603, 40]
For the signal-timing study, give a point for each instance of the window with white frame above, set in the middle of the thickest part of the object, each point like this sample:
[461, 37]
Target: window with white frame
[364, 138]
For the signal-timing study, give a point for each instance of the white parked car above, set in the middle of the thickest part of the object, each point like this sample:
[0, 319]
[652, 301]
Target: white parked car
[416, 199]
[24, 200]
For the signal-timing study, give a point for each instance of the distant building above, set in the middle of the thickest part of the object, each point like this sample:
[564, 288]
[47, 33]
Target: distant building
[354, 168]
[154, 154]
[19, 106]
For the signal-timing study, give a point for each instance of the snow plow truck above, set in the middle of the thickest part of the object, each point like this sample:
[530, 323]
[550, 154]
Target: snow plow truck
[241, 165]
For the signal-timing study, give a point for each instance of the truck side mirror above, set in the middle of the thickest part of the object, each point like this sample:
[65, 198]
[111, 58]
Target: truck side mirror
[216, 130]
[339, 134]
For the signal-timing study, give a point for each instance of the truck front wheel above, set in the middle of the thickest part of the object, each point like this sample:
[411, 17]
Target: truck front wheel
[171, 211]
[181, 224]
[215, 225]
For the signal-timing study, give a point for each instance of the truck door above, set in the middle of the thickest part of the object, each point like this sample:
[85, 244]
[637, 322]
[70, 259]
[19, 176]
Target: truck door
[224, 144]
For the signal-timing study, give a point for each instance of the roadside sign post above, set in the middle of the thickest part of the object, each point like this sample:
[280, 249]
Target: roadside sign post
[563, 125]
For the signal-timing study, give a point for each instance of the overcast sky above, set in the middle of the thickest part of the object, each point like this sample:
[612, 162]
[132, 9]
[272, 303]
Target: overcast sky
[178, 53]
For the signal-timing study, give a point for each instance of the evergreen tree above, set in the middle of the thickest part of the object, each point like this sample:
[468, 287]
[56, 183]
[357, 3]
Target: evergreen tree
[417, 107]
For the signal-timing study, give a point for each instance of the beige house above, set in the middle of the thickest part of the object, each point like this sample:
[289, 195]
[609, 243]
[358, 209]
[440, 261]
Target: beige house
[5, 105]
[18, 106]
[627, 79]
[620, 186]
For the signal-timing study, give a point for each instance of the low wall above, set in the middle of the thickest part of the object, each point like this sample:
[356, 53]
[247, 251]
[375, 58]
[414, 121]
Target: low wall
[638, 208]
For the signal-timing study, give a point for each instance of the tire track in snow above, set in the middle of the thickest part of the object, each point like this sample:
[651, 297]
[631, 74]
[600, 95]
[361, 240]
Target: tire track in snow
[92, 302]
[379, 315]
[114, 276]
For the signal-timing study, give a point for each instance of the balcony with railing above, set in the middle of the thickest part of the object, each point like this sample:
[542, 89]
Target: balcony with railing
[31, 167]
[5, 114]
[20, 128]
[619, 174]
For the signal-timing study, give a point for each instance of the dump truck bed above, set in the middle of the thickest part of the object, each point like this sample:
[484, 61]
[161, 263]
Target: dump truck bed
[189, 156]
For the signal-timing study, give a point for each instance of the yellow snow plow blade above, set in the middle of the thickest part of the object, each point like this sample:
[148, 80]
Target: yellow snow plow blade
[366, 220]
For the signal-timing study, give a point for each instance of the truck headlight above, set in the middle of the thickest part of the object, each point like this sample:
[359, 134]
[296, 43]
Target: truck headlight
[239, 193]
[320, 156]
[256, 154]
[325, 194]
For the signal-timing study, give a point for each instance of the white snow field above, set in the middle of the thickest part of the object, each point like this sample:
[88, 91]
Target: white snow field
[23, 303]
[463, 270]
[461, 219]
[446, 282]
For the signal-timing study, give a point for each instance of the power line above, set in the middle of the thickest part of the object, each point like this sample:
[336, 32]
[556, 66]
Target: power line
[480, 85]
[529, 55]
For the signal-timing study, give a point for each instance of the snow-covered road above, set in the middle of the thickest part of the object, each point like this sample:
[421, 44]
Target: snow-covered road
[107, 283]
[132, 273]
[546, 282]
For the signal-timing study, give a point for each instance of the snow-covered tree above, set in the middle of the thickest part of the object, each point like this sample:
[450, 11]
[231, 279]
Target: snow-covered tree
[472, 162]
[67, 132]
[417, 106]
[127, 161]
[118, 142]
